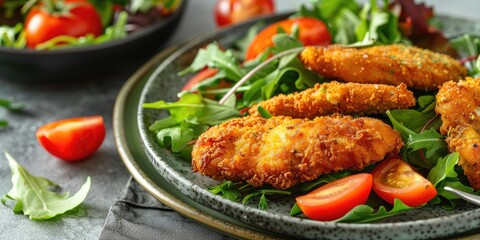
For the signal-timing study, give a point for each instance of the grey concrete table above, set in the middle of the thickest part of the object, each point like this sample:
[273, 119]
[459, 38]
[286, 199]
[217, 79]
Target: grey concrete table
[50, 102]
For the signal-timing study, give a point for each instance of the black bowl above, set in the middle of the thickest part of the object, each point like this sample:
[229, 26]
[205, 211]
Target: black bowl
[84, 62]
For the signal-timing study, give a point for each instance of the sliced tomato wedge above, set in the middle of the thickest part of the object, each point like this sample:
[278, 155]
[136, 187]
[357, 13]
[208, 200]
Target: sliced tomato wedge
[333, 200]
[312, 31]
[395, 178]
[74, 138]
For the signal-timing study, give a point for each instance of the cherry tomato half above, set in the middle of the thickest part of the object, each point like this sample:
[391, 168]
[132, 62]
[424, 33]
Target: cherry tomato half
[395, 178]
[42, 25]
[233, 11]
[333, 200]
[74, 138]
[312, 31]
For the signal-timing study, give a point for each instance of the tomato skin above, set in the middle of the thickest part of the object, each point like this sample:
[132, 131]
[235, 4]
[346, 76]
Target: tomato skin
[72, 139]
[312, 32]
[233, 11]
[200, 76]
[41, 26]
[335, 199]
[395, 178]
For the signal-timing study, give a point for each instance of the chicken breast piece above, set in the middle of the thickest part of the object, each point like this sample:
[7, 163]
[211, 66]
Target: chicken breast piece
[459, 104]
[335, 97]
[283, 151]
[459, 107]
[466, 141]
[418, 68]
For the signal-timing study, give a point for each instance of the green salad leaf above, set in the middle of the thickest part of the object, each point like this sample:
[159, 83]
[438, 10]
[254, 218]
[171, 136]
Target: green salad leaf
[33, 198]
[365, 213]
[12, 36]
[189, 117]
[10, 106]
[469, 47]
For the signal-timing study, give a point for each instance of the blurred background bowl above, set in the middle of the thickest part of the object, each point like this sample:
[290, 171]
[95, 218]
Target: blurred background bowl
[78, 63]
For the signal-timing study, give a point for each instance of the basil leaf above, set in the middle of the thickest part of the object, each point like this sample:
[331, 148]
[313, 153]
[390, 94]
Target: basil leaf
[33, 198]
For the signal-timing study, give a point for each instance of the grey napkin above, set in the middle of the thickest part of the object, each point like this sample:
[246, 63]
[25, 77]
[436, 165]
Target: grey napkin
[138, 215]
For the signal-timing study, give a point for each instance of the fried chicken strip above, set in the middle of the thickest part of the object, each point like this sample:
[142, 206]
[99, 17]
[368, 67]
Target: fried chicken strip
[284, 151]
[459, 107]
[389, 64]
[459, 104]
[466, 141]
[335, 97]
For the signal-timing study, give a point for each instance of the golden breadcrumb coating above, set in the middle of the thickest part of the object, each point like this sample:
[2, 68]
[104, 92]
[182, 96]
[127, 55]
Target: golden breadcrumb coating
[284, 151]
[335, 97]
[459, 107]
[466, 141]
[459, 104]
[418, 68]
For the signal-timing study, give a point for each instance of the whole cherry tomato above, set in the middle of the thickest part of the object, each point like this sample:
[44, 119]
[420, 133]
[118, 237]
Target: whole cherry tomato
[233, 11]
[73, 18]
[335, 199]
[312, 31]
[74, 138]
[395, 178]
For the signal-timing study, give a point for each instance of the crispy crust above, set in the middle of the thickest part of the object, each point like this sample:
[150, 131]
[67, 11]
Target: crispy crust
[389, 64]
[335, 97]
[282, 151]
[459, 107]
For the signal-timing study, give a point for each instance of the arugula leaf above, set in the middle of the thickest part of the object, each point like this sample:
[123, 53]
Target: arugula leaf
[189, 117]
[378, 24]
[33, 198]
[323, 179]
[263, 201]
[213, 56]
[364, 213]
[228, 190]
[469, 47]
[412, 119]
[430, 141]
[10, 105]
[445, 168]
[341, 17]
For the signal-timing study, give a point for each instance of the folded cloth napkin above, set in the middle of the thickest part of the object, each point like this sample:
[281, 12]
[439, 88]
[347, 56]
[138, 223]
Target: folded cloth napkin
[138, 215]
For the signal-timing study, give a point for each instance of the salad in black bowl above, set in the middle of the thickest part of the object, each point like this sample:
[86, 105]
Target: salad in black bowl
[61, 40]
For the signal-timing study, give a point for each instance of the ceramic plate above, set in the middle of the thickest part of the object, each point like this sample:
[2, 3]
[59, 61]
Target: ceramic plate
[164, 83]
[127, 139]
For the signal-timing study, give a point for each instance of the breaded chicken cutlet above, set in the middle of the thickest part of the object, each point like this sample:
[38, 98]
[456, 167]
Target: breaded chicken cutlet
[335, 97]
[459, 107]
[418, 68]
[284, 151]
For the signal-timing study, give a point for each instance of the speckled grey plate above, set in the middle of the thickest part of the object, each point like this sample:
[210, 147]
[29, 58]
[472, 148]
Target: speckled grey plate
[164, 83]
